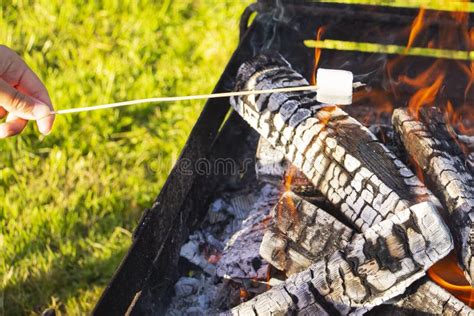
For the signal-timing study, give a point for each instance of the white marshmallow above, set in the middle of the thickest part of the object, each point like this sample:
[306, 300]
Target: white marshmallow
[334, 86]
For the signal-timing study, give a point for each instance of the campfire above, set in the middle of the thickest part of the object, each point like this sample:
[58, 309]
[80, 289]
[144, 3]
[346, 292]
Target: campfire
[364, 208]
[392, 231]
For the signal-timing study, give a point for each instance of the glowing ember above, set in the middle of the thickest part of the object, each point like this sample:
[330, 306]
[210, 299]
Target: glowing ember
[287, 187]
[244, 294]
[448, 275]
[212, 255]
[269, 276]
[381, 101]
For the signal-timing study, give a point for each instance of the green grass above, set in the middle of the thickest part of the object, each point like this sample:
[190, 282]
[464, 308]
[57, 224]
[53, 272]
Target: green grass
[71, 200]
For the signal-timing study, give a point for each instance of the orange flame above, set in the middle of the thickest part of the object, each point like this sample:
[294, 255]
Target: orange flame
[418, 171]
[289, 178]
[449, 275]
[428, 85]
[470, 70]
[382, 104]
[425, 96]
[317, 54]
[416, 27]
[269, 276]
[291, 172]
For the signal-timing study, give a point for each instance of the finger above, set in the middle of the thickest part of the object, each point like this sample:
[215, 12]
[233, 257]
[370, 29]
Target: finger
[17, 74]
[45, 124]
[13, 126]
[25, 107]
[30, 84]
[3, 112]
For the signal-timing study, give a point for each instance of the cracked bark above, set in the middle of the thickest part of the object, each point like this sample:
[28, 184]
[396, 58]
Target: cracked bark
[341, 158]
[272, 167]
[431, 145]
[426, 298]
[303, 234]
[373, 267]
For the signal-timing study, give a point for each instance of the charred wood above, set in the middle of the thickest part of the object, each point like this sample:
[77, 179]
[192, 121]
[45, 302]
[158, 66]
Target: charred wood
[288, 246]
[342, 158]
[427, 298]
[430, 144]
[301, 234]
[357, 173]
[374, 267]
[270, 163]
[432, 299]
[272, 167]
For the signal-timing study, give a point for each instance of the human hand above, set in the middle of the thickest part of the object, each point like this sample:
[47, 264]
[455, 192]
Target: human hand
[23, 97]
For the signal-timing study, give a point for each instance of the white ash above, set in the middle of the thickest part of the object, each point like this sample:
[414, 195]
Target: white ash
[191, 251]
[225, 249]
[233, 209]
[192, 296]
[241, 258]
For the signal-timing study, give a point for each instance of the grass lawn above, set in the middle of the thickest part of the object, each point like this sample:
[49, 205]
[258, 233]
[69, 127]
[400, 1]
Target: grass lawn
[69, 201]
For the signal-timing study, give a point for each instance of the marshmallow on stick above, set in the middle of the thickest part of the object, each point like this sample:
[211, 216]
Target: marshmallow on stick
[334, 86]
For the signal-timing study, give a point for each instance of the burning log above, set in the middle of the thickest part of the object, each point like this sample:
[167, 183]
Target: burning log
[436, 152]
[272, 167]
[374, 267]
[427, 299]
[431, 299]
[467, 141]
[302, 234]
[289, 247]
[342, 158]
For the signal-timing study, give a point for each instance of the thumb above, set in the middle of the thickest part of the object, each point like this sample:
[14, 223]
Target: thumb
[22, 105]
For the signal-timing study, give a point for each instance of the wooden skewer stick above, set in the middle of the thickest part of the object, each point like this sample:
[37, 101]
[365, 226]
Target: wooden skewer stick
[185, 98]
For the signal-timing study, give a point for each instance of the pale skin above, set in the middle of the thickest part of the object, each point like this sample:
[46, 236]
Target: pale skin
[23, 97]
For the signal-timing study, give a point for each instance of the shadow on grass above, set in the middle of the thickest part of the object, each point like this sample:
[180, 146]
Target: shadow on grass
[66, 279]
